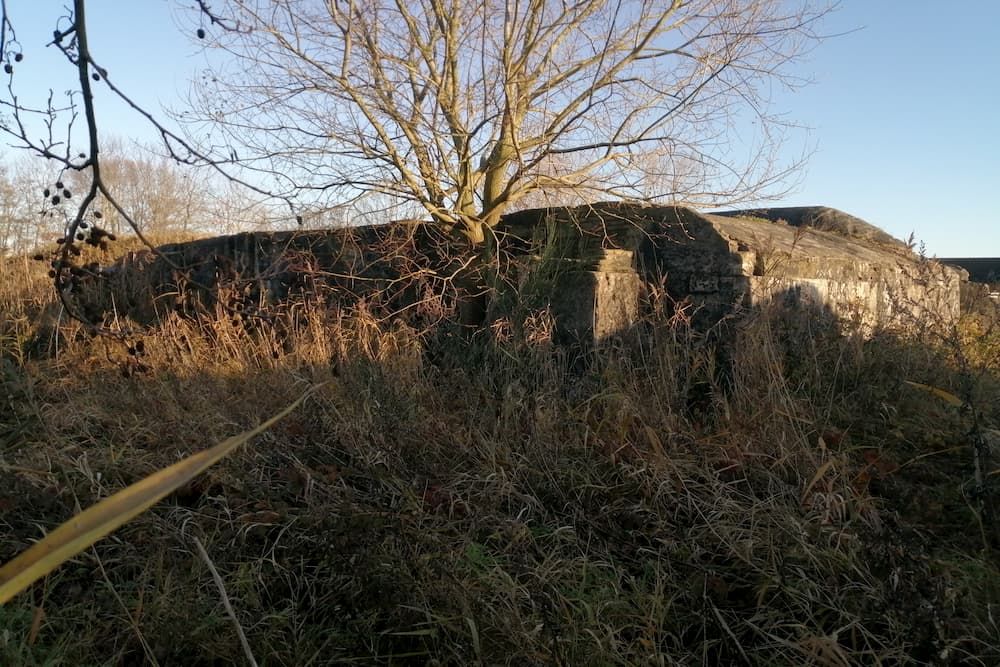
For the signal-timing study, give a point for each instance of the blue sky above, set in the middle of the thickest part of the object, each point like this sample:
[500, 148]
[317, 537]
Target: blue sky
[903, 110]
[905, 114]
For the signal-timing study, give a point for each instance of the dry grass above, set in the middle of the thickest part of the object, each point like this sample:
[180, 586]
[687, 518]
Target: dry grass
[489, 499]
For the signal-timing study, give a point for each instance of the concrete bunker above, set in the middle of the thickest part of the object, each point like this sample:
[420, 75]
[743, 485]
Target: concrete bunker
[596, 266]
[725, 264]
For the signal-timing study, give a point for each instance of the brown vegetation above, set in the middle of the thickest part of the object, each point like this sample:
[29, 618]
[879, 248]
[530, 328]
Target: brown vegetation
[491, 498]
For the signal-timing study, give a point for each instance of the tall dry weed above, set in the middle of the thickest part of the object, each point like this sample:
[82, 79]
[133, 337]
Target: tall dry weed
[770, 494]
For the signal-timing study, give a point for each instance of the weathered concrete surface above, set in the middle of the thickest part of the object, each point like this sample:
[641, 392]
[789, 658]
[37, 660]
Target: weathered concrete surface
[822, 218]
[724, 264]
[390, 267]
[590, 300]
[595, 266]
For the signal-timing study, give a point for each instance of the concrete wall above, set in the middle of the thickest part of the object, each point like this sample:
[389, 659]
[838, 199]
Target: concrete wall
[719, 265]
[596, 266]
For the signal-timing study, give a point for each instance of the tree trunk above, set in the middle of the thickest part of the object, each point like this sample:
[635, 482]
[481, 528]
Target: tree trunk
[475, 231]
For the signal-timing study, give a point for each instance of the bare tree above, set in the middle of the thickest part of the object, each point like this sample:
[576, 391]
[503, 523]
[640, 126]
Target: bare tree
[13, 225]
[159, 195]
[19, 219]
[468, 106]
[462, 108]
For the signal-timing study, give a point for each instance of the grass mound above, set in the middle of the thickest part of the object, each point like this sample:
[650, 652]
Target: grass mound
[495, 499]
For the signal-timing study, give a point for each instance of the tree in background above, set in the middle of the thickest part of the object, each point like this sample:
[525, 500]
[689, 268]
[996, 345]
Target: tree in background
[22, 225]
[159, 194]
[467, 107]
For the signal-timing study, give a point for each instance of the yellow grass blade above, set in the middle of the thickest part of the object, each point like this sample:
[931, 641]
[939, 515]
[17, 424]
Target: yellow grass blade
[98, 521]
[940, 393]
